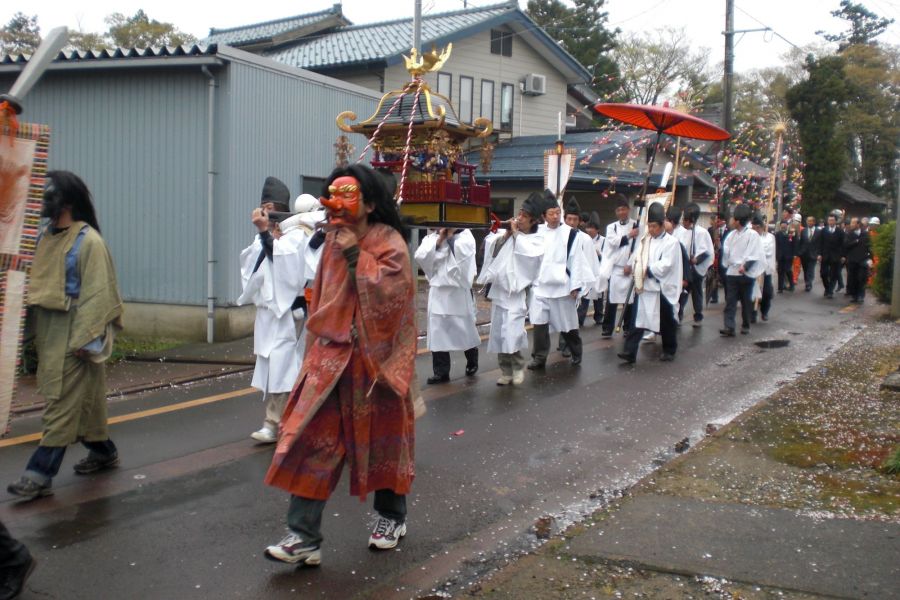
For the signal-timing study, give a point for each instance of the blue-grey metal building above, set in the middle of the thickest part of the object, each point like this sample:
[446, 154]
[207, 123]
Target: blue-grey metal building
[175, 145]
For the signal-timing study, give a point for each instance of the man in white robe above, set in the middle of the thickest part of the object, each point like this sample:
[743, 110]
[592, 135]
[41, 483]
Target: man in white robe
[655, 304]
[598, 291]
[565, 272]
[743, 260]
[572, 216]
[447, 257]
[512, 261]
[763, 294]
[620, 236]
[699, 246]
[273, 291]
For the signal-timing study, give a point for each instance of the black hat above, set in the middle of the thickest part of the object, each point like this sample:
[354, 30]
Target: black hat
[656, 213]
[692, 212]
[594, 220]
[742, 213]
[534, 205]
[789, 210]
[276, 192]
[584, 216]
[758, 219]
[620, 200]
[548, 201]
[673, 214]
[572, 207]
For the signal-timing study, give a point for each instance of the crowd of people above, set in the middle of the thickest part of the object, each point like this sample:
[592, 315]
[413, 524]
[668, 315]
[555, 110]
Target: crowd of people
[335, 334]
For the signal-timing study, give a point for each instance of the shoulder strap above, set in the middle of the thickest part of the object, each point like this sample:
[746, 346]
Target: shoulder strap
[572, 233]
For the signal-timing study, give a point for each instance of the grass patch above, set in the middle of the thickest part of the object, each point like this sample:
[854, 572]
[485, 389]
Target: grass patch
[126, 346]
[891, 465]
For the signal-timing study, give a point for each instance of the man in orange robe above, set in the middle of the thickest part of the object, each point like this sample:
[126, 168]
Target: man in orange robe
[352, 401]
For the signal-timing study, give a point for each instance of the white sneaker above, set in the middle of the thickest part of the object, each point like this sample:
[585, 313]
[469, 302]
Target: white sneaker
[504, 380]
[649, 337]
[265, 435]
[518, 376]
[293, 550]
[386, 534]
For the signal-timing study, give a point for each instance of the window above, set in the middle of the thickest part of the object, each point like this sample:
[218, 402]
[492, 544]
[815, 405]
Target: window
[445, 84]
[465, 99]
[501, 42]
[487, 99]
[507, 94]
[312, 185]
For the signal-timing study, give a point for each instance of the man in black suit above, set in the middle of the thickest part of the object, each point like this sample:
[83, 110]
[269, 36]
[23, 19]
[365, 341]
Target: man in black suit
[857, 252]
[807, 250]
[831, 250]
[718, 233]
[785, 246]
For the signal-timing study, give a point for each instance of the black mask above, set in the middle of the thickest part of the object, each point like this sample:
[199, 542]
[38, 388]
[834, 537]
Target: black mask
[53, 202]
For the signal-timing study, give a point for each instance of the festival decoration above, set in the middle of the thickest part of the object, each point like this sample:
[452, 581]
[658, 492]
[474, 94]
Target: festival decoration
[416, 134]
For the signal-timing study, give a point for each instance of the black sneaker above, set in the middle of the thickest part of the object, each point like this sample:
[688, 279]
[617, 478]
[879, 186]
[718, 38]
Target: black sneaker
[13, 579]
[727, 332]
[536, 365]
[471, 370]
[93, 463]
[437, 379]
[666, 357]
[745, 330]
[29, 489]
[626, 357]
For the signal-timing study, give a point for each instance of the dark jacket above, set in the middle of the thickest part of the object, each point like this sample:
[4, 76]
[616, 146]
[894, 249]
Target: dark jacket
[808, 244]
[856, 247]
[785, 246]
[831, 245]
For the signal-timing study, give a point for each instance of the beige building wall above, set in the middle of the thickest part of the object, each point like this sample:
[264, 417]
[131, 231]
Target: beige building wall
[471, 57]
[178, 322]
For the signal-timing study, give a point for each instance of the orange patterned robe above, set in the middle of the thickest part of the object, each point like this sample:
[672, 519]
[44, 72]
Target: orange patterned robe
[352, 399]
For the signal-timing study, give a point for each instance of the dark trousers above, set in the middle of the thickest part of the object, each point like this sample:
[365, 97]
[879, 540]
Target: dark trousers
[13, 553]
[583, 310]
[609, 317]
[305, 516]
[857, 277]
[695, 293]
[45, 461]
[541, 334]
[440, 361]
[738, 288]
[765, 303]
[785, 274]
[667, 329]
[830, 272]
[839, 275]
[809, 271]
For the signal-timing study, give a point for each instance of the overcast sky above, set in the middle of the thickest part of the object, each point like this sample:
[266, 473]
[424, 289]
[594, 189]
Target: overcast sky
[795, 20]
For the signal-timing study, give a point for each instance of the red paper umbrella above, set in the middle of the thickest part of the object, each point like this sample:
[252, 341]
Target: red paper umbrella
[662, 119]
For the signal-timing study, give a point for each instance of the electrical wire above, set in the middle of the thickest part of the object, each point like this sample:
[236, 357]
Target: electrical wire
[772, 29]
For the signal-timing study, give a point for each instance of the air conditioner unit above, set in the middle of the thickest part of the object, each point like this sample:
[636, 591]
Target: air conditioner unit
[535, 85]
[571, 121]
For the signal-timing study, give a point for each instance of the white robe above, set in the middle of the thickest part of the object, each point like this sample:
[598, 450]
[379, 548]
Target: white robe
[697, 241]
[450, 271]
[604, 268]
[664, 278]
[510, 273]
[619, 256]
[278, 349]
[741, 247]
[767, 242]
[562, 272]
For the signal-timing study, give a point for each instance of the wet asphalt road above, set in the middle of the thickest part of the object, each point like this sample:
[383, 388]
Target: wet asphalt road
[187, 515]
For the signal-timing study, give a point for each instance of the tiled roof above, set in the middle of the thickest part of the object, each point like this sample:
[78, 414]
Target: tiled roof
[855, 194]
[257, 32]
[380, 41]
[119, 53]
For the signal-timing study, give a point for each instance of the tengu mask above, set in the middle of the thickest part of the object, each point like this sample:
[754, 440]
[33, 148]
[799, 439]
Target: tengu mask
[344, 202]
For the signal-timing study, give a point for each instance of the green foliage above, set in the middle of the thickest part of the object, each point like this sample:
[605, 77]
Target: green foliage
[891, 465]
[817, 104]
[865, 25]
[21, 35]
[140, 31]
[582, 31]
[85, 41]
[883, 251]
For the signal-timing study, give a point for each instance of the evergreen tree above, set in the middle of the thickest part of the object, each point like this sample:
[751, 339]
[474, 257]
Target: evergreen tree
[865, 25]
[139, 31]
[21, 35]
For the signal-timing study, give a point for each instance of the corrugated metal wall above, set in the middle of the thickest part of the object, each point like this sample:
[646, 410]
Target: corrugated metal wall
[137, 138]
[270, 123]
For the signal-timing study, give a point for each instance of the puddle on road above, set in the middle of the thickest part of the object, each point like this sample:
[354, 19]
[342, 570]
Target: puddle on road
[771, 343]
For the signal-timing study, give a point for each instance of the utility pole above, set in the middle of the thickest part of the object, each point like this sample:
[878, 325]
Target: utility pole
[417, 26]
[728, 83]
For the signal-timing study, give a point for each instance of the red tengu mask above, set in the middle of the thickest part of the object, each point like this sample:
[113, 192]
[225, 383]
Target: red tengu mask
[344, 202]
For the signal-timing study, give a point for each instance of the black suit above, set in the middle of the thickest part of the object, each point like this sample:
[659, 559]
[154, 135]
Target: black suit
[785, 248]
[831, 249]
[857, 252]
[807, 250]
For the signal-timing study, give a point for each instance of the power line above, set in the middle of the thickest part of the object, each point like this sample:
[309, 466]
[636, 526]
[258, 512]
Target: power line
[772, 29]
